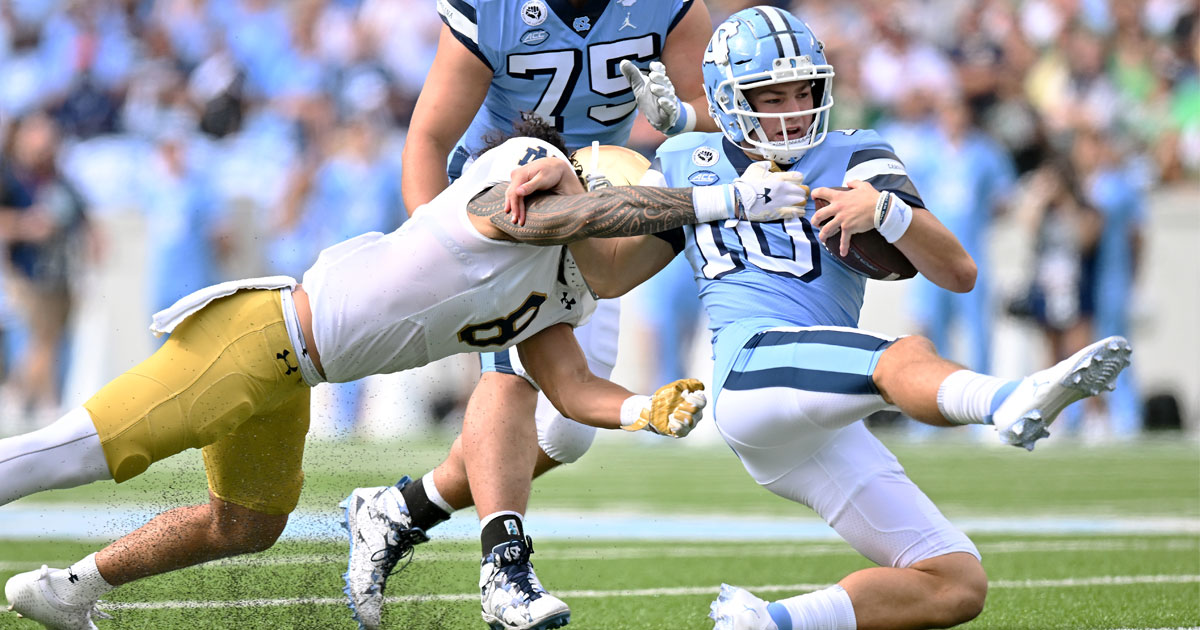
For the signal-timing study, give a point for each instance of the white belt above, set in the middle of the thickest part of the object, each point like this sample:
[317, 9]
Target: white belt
[167, 319]
[291, 319]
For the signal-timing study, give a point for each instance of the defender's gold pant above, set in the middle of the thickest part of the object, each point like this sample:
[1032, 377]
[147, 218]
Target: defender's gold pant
[226, 381]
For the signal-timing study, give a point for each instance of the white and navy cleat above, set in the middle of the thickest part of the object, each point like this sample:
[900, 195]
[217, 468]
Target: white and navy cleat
[31, 597]
[381, 535]
[1023, 417]
[738, 609]
[511, 597]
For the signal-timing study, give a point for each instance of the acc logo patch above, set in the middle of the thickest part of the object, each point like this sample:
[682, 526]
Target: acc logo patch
[534, 37]
[705, 156]
[703, 178]
[534, 12]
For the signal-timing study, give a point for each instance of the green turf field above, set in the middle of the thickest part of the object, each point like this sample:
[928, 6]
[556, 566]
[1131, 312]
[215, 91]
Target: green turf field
[1098, 577]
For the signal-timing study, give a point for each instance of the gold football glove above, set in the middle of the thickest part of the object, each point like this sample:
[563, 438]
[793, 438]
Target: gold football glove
[674, 409]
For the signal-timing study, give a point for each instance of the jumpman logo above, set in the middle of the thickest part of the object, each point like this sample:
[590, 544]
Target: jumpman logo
[283, 356]
[627, 24]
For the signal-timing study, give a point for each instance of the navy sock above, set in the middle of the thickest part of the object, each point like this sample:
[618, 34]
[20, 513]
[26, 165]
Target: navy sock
[425, 513]
[501, 528]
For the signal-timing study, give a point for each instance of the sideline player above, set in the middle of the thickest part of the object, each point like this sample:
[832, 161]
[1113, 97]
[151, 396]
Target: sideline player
[582, 65]
[793, 375]
[234, 376]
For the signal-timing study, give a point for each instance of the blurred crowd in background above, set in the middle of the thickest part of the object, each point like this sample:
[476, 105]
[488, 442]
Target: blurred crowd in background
[286, 120]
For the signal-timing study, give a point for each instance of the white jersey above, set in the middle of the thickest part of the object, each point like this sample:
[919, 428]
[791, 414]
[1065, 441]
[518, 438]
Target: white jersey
[435, 287]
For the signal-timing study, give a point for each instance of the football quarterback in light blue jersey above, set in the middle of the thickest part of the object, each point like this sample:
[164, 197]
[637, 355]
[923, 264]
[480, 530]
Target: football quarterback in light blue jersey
[797, 281]
[793, 375]
[585, 67]
[560, 62]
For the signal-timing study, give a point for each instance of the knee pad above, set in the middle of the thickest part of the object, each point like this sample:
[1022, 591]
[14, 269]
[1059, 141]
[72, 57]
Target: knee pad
[563, 439]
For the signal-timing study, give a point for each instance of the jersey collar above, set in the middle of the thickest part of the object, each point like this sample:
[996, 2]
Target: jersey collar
[740, 161]
[567, 12]
[737, 156]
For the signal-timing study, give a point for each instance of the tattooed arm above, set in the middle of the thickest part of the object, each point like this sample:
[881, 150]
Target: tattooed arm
[560, 219]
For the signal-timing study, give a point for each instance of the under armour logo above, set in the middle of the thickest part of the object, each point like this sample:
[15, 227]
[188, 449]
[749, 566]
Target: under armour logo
[567, 301]
[766, 195]
[283, 356]
[71, 577]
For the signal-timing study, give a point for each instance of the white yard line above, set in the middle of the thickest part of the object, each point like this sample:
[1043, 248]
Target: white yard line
[1106, 580]
[691, 549]
[91, 522]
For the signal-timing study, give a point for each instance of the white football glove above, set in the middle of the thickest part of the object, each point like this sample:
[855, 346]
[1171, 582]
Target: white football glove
[656, 98]
[674, 409]
[760, 194]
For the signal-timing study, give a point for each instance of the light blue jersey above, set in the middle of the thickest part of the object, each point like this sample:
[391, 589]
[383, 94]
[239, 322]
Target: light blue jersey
[559, 62]
[778, 271]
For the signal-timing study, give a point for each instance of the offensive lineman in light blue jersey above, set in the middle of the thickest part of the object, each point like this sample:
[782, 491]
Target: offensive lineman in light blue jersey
[561, 63]
[793, 375]
[561, 60]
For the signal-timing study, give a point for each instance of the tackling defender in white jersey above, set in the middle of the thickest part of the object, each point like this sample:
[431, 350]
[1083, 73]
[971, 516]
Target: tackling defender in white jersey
[587, 67]
[233, 378]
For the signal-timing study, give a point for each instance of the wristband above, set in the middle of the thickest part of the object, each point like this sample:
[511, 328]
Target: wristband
[892, 216]
[631, 412]
[881, 207]
[685, 122]
[715, 203]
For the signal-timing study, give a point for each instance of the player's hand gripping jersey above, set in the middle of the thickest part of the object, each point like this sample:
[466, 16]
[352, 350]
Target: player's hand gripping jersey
[436, 287]
[559, 62]
[777, 270]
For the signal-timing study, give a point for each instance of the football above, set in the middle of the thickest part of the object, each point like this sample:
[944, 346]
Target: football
[870, 254]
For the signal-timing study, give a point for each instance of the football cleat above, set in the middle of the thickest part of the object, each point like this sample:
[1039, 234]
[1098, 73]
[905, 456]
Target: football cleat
[381, 535]
[738, 609]
[31, 597]
[511, 595]
[1022, 418]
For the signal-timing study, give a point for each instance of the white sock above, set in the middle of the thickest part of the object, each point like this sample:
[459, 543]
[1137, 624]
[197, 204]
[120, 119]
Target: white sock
[435, 497]
[967, 397]
[63, 455]
[81, 583]
[826, 609]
